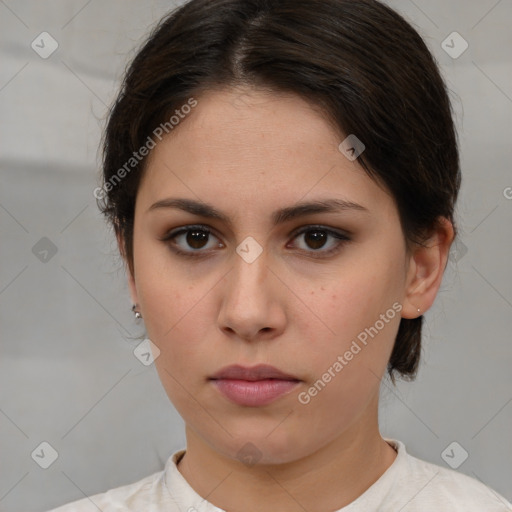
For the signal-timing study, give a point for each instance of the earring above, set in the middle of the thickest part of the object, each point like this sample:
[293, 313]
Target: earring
[136, 313]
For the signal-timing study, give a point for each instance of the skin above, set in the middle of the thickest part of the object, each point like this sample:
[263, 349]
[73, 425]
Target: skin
[248, 153]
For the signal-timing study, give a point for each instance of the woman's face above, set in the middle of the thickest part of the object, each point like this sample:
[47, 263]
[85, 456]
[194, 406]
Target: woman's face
[256, 291]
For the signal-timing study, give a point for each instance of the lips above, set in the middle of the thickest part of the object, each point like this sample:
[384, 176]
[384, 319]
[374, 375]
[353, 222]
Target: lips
[254, 373]
[253, 387]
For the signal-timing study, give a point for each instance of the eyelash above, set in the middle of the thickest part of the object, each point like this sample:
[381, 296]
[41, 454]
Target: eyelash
[342, 240]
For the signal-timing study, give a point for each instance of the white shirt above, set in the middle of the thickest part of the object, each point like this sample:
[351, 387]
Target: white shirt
[408, 485]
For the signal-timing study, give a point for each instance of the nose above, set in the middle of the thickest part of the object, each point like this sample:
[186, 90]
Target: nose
[253, 300]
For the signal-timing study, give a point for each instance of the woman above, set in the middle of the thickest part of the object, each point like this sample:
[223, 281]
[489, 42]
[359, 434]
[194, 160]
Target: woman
[281, 176]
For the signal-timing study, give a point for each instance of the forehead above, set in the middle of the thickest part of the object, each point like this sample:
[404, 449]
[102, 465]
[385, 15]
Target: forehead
[258, 148]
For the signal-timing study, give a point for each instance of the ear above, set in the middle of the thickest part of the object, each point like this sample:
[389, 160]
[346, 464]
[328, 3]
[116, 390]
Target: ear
[426, 268]
[129, 272]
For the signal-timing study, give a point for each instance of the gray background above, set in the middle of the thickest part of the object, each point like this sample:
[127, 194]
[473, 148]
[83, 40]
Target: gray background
[67, 369]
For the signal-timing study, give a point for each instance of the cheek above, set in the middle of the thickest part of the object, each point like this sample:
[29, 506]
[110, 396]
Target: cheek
[164, 290]
[345, 368]
[175, 318]
[351, 300]
[360, 324]
[167, 300]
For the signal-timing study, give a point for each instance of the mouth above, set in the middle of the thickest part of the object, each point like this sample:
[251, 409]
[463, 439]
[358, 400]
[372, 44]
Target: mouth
[253, 386]
[254, 373]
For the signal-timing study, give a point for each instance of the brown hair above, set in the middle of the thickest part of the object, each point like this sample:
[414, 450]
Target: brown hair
[367, 69]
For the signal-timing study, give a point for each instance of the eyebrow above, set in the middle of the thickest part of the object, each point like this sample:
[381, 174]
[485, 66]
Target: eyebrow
[282, 215]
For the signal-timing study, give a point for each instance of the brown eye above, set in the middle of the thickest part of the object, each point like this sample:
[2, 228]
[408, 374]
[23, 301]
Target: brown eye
[190, 240]
[197, 238]
[317, 237]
